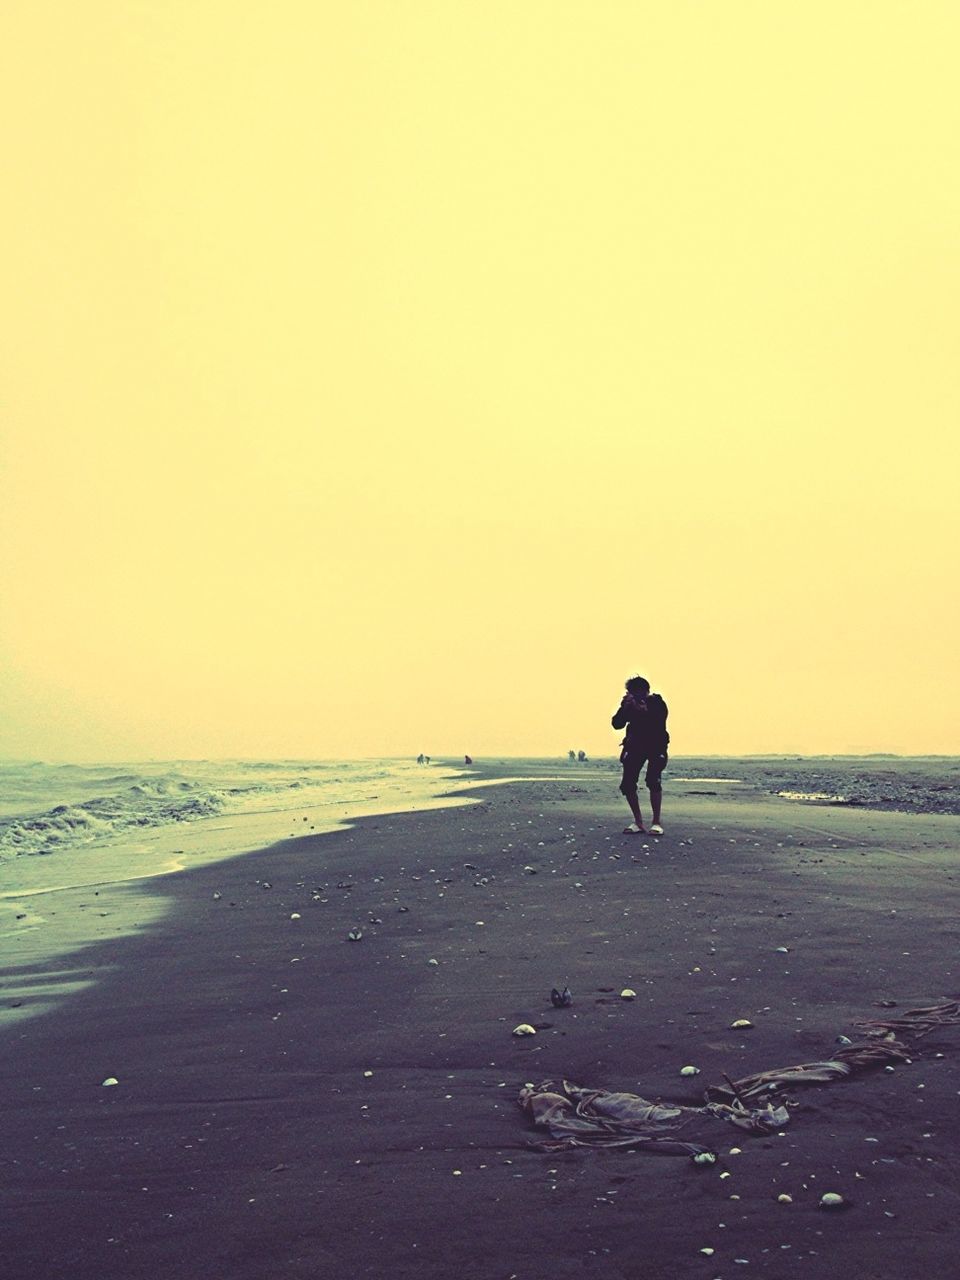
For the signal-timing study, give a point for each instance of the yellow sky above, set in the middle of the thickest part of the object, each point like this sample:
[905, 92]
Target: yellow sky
[386, 377]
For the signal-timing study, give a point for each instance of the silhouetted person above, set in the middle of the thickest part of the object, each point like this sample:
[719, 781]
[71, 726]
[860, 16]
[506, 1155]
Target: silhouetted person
[467, 760]
[645, 716]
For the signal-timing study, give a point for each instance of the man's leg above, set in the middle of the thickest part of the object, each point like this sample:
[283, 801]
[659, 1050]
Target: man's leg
[655, 786]
[656, 799]
[628, 786]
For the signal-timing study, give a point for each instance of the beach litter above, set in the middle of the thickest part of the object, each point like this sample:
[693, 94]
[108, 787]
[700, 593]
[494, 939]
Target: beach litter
[575, 1116]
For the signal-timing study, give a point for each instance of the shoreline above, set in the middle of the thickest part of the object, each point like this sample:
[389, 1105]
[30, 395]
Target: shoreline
[241, 1038]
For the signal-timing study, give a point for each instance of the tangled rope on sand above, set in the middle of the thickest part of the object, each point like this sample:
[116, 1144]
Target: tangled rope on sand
[574, 1116]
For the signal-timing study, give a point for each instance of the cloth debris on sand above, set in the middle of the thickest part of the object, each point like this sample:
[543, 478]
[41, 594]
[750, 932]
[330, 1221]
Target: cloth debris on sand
[880, 1050]
[575, 1116]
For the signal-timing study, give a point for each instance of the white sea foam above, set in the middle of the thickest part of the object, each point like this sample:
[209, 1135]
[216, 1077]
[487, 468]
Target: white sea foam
[54, 809]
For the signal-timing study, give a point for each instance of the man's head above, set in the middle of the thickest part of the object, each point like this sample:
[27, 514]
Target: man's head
[638, 686]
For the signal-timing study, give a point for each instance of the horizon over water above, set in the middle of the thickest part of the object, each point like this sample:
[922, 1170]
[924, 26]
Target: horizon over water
[57, 821]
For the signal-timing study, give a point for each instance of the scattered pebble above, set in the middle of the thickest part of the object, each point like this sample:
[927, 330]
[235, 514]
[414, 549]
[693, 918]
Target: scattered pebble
[831, 1200]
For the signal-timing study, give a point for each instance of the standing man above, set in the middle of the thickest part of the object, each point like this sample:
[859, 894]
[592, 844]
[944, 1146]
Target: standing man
[645, 716]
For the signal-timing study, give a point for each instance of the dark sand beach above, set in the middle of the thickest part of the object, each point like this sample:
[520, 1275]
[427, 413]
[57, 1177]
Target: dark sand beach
[291, 1103]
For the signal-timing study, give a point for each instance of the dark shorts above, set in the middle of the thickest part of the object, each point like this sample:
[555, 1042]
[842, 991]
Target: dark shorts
[633, 762]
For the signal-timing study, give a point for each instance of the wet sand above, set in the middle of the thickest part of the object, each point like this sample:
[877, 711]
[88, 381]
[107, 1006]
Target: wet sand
[245, 1138]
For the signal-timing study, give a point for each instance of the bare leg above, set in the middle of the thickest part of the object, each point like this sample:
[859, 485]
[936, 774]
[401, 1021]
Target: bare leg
[628, 789]
[633, 800]
[656, 798]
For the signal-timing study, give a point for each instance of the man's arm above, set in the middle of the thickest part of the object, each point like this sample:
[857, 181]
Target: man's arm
[622, 715]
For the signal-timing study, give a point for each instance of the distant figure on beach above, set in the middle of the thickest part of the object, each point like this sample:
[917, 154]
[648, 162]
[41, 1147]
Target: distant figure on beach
[582, 757]
[644, 714]
[572, 757]
[421, 758]
[468, 760]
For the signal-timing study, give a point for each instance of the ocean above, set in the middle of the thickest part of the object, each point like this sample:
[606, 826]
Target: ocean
[151, 818]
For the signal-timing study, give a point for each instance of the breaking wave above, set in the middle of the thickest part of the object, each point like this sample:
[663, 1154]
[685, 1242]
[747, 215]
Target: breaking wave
[48, 808]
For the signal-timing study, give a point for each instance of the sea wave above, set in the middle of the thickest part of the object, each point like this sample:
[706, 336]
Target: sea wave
[105, 816]
[45, 809]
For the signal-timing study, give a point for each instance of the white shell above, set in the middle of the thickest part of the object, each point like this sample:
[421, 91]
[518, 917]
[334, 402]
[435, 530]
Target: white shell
[689, 1071]
[295, 915]
[784, 1199]
[707, 1252]
[524, 1029]
[740, 1022]
[109, 1080]
[433, 962]
[530, 871]
[830, 1200]
[705, 1157]
[628, 993]
[367, 1075]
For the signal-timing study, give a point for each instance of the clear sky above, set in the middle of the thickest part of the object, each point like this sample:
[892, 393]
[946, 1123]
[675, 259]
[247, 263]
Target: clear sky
[381, 378]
